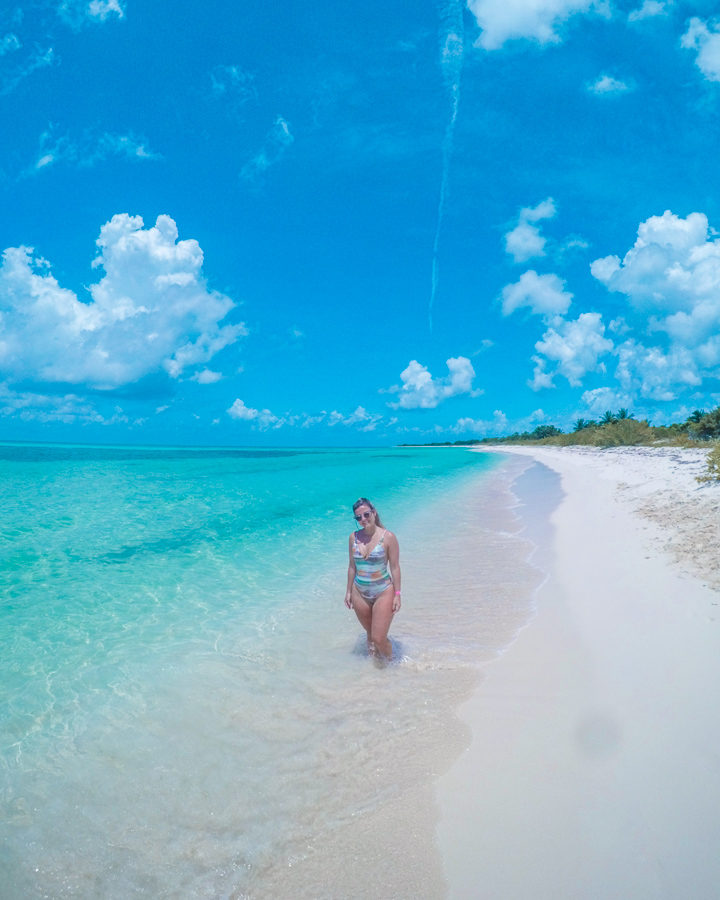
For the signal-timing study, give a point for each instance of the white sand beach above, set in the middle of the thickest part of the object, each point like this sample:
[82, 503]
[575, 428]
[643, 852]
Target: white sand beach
[593, 770]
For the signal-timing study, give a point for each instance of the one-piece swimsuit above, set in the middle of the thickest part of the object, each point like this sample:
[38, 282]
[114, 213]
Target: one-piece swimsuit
[371, 575]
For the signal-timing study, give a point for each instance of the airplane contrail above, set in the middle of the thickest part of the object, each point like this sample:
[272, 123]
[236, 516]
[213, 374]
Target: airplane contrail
[451, 57]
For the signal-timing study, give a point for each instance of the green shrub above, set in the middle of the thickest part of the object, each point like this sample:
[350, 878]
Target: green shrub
[712, 472]
[618, 432]
[545, 431]
[707, 427]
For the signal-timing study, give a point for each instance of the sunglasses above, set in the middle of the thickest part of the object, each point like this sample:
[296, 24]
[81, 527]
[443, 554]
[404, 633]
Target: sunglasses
[365, 515]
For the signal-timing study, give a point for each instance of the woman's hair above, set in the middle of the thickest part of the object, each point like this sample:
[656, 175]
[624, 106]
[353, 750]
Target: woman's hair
[363, 501]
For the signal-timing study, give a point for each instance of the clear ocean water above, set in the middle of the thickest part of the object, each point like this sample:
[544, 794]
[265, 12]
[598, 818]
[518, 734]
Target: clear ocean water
[187, 707]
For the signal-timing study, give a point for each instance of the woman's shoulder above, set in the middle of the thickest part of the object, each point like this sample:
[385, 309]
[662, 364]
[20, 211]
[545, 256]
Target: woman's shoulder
[389, 535]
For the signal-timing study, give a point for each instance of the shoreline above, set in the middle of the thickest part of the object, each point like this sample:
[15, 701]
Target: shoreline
[593, 768]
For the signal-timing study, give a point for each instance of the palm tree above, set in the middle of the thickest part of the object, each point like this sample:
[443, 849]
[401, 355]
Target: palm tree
[696, 415]
[607, 418]
[580, 424]
[623, 414]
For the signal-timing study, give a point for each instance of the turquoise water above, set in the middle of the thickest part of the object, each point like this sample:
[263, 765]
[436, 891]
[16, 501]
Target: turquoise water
[180, 680]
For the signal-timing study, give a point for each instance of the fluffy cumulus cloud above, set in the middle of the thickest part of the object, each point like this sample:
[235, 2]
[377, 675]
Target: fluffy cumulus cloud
[524, 241]
[671, 278]
[602, 399]
[544, 294]
[535, 20]
[657, 373]
[606, 85]
[419, 390]
[206, 376]
[152, 310]
[574, 347]
[704, 38]
[261, 418]
[671, 274]
[649, 10]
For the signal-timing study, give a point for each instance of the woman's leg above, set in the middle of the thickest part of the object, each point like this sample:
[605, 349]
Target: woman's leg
[363, 611]
[382, 616]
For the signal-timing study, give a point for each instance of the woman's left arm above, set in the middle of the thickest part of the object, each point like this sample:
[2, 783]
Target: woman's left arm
[393, 555]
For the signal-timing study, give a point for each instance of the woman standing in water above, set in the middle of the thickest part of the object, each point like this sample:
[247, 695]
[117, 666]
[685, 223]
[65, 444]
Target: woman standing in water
[373, 588]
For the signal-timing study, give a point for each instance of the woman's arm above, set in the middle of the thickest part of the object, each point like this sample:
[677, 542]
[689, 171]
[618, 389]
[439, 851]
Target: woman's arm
[351, 575]
[393, 554]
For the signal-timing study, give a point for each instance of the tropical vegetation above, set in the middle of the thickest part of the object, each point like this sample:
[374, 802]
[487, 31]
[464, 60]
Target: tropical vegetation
[620, 429]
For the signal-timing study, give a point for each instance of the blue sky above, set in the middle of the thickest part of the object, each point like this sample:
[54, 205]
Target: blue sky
[322, 223]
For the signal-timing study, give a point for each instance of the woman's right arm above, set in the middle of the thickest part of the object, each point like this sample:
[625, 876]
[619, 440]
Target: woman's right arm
[351, 575]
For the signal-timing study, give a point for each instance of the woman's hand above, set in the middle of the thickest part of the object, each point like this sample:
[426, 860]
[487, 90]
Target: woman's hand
[396, 604]
[348, 600]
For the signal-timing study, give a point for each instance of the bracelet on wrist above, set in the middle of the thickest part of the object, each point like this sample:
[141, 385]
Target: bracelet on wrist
[398, 592]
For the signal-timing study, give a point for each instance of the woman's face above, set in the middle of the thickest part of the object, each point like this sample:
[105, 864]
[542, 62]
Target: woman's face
[364, 515]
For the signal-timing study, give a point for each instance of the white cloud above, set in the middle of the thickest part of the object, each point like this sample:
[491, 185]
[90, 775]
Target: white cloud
[544, 294]
[654, 373]
[309, 421]
[671, 277]
[161, 409]
[499, 424]
[574, 346]
[206, 376]
[38, 61]
[227, 80]
[101, 9]
[151, 309]
[606, 84]
[76, 13]
[239, 411]
[9, 43]
[262, 418]
[496, 425]
[420, 390]
[648, 10]
[361, 417]
[68, 408]
[278, 139]
[89, 149]
[525, 241]
[602, 399]
[707, 43]
[535, 20]
[672, 274]
[233, 87]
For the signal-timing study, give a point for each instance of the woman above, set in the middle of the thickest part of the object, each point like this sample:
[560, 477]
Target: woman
[373, 588]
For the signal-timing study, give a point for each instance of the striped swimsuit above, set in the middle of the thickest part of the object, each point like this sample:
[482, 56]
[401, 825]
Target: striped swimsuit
[371, 574]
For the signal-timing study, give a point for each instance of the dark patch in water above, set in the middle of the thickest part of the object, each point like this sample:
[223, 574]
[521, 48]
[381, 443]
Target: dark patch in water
[132, 454]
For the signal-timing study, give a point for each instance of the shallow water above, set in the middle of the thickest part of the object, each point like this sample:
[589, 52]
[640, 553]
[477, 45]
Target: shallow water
[189, 711]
